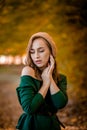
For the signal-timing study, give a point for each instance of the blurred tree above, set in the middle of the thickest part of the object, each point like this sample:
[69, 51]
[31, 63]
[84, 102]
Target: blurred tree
[65, 20]
[2, 4]
[78, 12]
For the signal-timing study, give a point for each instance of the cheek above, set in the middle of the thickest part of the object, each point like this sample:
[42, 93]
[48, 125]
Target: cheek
[46, 57]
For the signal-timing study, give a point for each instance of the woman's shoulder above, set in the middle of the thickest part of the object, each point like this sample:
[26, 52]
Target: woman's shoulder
[27, 70]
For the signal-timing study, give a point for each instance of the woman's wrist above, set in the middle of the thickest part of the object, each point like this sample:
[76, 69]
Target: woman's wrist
[46, 84]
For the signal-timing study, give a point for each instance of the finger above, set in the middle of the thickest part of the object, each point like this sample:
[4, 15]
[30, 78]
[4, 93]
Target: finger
[51, 69]
[48, 68]
[52, 59]
[52, 62]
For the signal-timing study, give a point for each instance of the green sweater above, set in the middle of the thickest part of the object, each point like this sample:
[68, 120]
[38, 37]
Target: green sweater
[39, 113]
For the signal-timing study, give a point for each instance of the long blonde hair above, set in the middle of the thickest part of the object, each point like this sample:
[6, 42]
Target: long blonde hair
[52, 48]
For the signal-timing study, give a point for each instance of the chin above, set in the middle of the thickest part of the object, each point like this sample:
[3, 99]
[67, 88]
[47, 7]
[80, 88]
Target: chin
[42, 67]
[39, 66]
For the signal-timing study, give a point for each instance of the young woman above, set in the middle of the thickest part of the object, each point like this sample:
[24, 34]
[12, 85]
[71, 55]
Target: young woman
[42, 90]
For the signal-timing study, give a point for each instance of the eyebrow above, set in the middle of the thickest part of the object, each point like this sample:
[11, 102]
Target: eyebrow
[37, 48]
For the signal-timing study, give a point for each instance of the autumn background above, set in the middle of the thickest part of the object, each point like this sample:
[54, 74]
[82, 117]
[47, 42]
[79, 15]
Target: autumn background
[66, 22]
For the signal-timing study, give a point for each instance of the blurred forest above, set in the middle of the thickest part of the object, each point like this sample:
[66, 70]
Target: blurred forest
[66, 22]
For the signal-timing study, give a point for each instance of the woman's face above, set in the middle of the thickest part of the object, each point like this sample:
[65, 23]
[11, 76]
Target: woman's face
[40, 53]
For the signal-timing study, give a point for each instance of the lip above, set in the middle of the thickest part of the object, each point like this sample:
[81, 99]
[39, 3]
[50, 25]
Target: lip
[38, 61]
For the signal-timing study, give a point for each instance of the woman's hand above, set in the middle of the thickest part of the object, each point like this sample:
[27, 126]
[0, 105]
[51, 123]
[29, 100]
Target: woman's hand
[52, 62]
[45, 76]
[47, 72]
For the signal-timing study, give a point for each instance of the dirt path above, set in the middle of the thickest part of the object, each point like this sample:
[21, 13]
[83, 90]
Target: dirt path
[10, 109]
[9, 106]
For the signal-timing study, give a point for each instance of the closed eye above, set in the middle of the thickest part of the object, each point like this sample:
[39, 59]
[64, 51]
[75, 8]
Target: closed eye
[41, 50]
[32, 51]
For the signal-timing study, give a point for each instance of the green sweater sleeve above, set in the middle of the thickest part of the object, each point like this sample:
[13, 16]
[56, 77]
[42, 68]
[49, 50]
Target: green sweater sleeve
[60, 98]
[29, 99]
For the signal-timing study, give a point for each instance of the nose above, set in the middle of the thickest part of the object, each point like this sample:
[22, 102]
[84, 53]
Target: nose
[36, 55]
